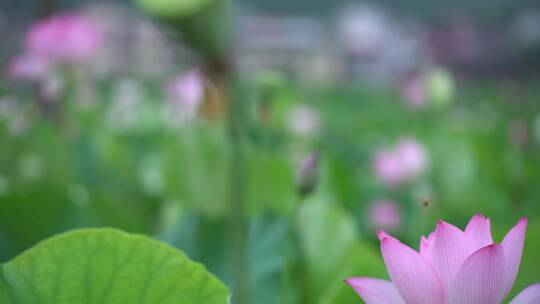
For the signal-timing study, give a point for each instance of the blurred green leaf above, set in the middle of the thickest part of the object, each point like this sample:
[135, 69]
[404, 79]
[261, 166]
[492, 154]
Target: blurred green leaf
[270, 182]
[266, 245]
[197, 168]
[333, 251]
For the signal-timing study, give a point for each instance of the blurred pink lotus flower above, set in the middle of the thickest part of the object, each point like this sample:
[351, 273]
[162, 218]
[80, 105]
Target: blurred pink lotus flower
[64, 38]
[388, 168]
[413, 91]
[186, 92]
[407, 161]
[27, 67]
[384, 214]
[451, 267]
[413, 156]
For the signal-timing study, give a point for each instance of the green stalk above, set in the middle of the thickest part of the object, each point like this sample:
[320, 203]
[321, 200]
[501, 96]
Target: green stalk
[294, 283]
[237, 201]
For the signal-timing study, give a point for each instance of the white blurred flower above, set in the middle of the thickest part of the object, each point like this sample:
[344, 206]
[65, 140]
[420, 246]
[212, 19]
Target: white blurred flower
[304, 120]
[124, 110]
[151, 175]
[51, 87]
[32, 167]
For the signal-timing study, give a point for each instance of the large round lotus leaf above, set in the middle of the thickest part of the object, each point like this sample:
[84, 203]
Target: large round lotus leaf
[107, 266]
[173, 8]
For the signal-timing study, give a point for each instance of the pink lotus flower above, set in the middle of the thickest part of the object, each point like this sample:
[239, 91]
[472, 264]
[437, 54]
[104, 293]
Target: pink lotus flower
[64, 38]
[413, 157]
[186, 92]
[27, 66]
[384, 214]
[388, 169]
[451, 267]
[407, 161]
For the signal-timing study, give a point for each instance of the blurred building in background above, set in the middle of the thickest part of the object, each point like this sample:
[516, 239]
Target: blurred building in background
[376, 45]
[317, 42]
[135, 45]
[298, 46]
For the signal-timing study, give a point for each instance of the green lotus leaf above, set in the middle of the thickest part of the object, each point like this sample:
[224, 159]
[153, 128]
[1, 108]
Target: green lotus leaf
[107, 266]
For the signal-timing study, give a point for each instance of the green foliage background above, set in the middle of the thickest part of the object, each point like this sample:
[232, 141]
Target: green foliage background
[173, 183]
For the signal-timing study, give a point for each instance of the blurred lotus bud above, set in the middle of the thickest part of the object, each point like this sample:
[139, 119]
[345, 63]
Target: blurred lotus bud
[186, 93]
[413, 91]
[308, 173]
[406, 162]
[304, 121]
[518, 132]
[440, 86]
[413, 157]
[384, 215]
[27, 67]
[388, 169]
[65, 38]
